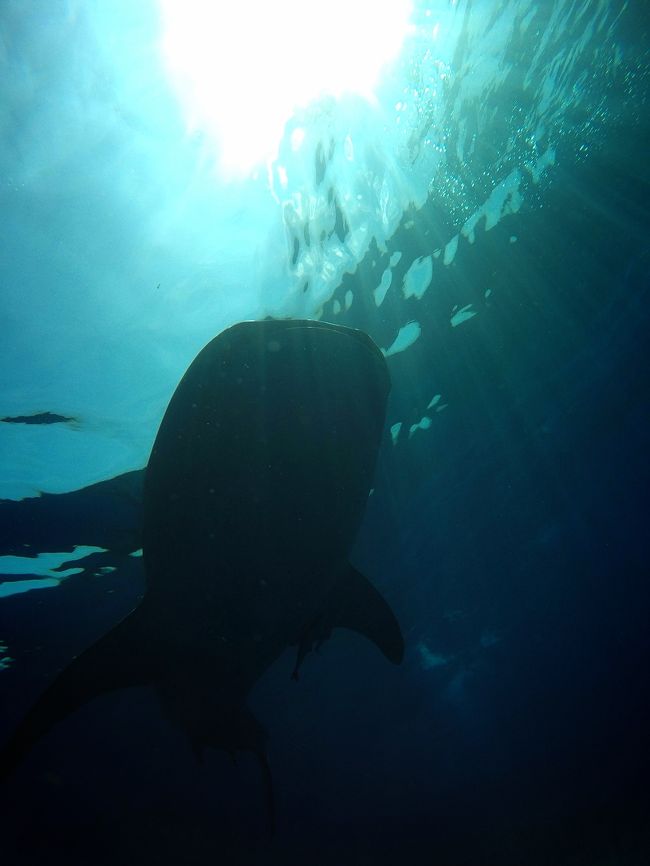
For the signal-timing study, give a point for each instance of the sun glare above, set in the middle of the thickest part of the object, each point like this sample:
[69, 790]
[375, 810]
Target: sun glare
[241, 69]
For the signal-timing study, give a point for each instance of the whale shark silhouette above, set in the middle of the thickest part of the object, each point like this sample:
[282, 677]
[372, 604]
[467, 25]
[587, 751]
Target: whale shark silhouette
[253, 495]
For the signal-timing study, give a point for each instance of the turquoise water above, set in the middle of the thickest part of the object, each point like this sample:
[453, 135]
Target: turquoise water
[483, 217]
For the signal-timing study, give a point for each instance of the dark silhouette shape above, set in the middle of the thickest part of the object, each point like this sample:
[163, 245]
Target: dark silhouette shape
[40, 418]
[254, 492]
[107, 514]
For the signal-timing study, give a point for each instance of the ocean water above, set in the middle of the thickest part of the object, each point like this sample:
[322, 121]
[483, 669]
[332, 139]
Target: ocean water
[483, 216]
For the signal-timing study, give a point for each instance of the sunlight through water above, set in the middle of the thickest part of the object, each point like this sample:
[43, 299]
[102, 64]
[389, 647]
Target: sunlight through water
[241, 70]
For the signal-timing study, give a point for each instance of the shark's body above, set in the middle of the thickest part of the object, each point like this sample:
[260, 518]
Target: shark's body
[253, 496]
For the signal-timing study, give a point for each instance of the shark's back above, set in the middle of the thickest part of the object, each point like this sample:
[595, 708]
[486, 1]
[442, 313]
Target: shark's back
[261, 470]
[256, 486]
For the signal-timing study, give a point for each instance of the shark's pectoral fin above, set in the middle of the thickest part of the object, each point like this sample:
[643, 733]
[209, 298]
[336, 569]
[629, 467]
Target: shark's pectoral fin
[115, 661]
[357, 605]
[354, 603]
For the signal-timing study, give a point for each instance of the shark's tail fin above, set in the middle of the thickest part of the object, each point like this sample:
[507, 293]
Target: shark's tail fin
[219, 724]
[268, 789]
[115, 661]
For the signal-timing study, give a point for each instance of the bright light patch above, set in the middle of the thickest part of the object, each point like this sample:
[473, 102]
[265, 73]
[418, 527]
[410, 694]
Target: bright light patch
[241, 69]
[297, 138]
[45, 564]
[16, 587]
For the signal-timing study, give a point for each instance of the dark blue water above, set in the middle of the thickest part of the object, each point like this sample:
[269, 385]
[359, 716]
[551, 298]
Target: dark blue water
[514, 548]
[512, 541]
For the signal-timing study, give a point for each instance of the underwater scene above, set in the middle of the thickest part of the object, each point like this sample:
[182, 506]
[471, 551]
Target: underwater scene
[324, 432]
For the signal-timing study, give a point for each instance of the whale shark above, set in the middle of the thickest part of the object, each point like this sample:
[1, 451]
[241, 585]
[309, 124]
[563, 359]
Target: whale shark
[253, 496]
